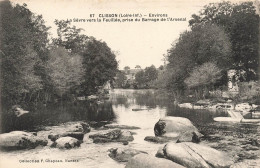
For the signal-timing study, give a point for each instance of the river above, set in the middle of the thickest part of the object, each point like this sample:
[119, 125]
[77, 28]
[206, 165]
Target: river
[141, 108]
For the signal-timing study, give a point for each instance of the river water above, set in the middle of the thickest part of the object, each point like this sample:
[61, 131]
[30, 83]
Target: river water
[141, 108]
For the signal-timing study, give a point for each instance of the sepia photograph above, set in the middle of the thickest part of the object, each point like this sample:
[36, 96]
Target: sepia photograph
[129, 84]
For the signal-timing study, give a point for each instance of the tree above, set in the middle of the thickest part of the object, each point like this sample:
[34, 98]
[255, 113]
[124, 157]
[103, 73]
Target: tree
[24, 45]
[137, 67]
[203, 75]
[127, 68]
[204, 43]
[99, 61]
[163, 79]
[66, 70]
[150, 73]
[100, 65]
[70, 37]
[241, 24]
[161, 67]
[202, 78]
[120, 79]
[140, 78]
[143, 78]
[30, 82]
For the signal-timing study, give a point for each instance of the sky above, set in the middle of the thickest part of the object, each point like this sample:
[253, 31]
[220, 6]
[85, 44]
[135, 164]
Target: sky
[135, 43]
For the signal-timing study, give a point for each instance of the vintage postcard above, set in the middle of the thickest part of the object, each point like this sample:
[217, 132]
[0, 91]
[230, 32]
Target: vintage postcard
[131, 83]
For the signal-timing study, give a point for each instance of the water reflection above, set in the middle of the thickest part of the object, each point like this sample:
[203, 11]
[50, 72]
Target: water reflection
[151, 101]
[125, 106]
[197, 116]
[100, 111]
[149, 98]
[59, 113]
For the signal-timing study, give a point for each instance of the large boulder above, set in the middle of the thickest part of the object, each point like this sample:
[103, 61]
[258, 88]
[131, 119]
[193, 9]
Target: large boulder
[20, 140]
[174, 127]
[195, 155]
[123, 155]
[66, 143]
[148, 161]
[189, 137]
[115, 135]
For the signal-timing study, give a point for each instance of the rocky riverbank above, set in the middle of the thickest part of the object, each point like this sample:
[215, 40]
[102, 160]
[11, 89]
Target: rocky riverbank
[121, 145]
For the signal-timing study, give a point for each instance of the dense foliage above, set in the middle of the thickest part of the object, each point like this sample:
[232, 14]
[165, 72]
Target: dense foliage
[100, 65]
[204, 75]
[24, 42]
[241, 24]
[137, 78]
[205, 43]
[140, 78]
[35, 69]
[65, 70]
[120, 79]
[98, 59]
[144, 77]
[223, 36]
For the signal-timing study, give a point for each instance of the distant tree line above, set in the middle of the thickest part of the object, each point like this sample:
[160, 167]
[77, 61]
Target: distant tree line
[223, 36]
[143, 78]
[37, 68]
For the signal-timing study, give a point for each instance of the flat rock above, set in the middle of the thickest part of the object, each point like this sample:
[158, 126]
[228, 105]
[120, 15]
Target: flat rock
[20, 140]
[75, 130]
[157, 139]
[125, 136]
[148, 161]
[123, 155]
[102, 140]
[66, 143]
[203, 102]
[96, 124]
[110, 134]
[186, 105]
[77, 135]
[227, 119]
[195, 155]
[113, 126]
[115, 135]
